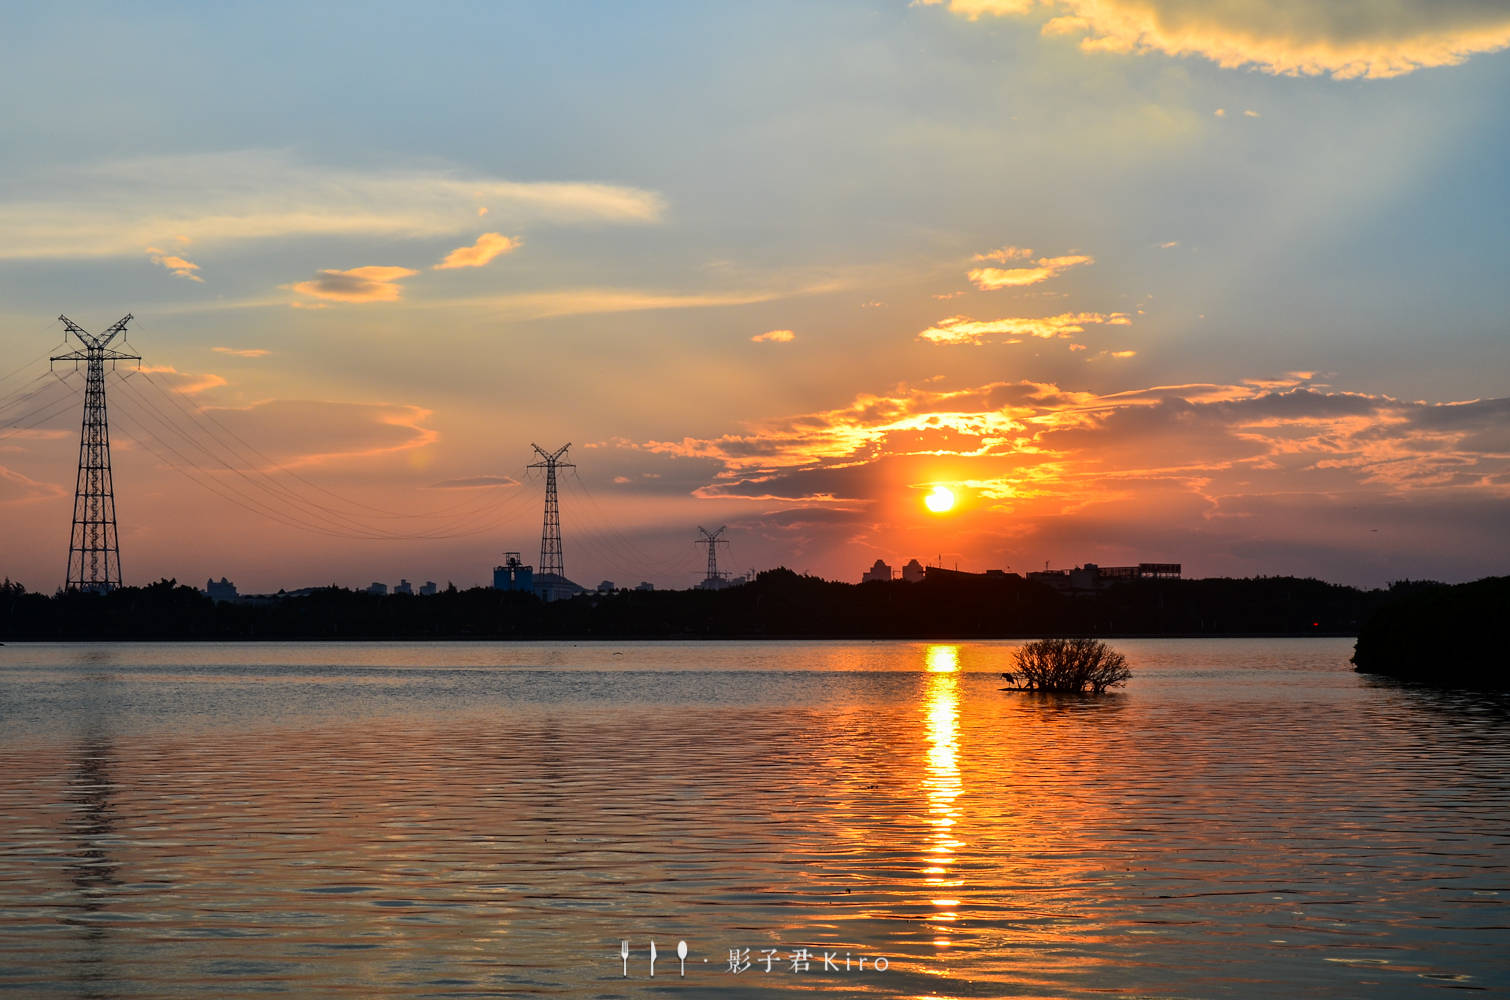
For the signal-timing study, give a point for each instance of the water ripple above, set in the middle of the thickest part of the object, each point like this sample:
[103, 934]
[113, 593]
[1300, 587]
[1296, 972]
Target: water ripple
[1246, 819]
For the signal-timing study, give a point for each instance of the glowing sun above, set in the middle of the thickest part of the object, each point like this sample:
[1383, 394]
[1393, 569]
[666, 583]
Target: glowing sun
[940, 500]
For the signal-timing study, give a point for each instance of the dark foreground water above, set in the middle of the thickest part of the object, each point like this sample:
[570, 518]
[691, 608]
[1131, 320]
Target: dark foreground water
[1248, 818]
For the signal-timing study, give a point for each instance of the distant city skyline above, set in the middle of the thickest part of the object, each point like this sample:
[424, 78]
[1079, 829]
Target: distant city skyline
[1127, 282]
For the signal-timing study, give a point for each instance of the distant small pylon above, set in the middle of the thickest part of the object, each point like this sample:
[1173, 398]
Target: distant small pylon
[94, 553]
[712, 540]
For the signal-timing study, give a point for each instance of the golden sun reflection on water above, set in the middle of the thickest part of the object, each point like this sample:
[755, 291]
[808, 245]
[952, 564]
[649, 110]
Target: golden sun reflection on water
[942, 787]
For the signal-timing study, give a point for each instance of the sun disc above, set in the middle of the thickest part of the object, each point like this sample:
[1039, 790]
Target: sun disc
[940, 500]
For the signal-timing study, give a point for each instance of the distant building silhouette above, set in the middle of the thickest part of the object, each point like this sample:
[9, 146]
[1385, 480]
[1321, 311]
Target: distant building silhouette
[224, 590]
[940, 574]
[1093, 577]
[377, 589]
[606, 587]
[513, 574]
[645, 585]
[404, 587]
[427, 589]
[555, 587]
[913, 572]
[880, 572]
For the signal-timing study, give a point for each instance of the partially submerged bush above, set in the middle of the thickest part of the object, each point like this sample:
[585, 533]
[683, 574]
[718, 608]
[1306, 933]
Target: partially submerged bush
[1068, 665]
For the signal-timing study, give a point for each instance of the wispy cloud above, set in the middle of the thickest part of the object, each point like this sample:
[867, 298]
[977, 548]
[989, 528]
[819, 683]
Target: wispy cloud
[117, 207]
[297, 433]
[774, 337]
[589, 301]
[474, 483]
[964, 330]
[488, 246]
[989, 279]
[16, 487]
[180, 267]
[1290, 37]
[1003, 255]
[188, 383]
[360, 284]
[243, 352]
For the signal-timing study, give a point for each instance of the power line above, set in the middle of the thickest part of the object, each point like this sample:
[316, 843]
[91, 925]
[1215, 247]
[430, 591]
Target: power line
[200, 414]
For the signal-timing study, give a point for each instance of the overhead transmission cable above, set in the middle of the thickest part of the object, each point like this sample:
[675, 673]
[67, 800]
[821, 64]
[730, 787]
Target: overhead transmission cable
[201, 414]
[292, 508]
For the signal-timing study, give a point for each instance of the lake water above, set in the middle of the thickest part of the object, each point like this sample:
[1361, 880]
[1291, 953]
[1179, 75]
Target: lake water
[1247, 818]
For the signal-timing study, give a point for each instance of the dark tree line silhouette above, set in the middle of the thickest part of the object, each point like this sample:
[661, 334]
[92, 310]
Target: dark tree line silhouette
[777, 604]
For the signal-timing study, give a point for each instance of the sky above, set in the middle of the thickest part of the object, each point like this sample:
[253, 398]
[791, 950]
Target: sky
[1134, 280]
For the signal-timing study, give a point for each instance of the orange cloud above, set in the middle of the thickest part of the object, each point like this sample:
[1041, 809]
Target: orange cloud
[1287, 37]
[360, 284]
[990, 279]
[180, 267]
[242, 352]
[774, 337]
[292, 433]
[1226, 470]
[488, 246]
[16, 487]
[187, 383]
[964, 330]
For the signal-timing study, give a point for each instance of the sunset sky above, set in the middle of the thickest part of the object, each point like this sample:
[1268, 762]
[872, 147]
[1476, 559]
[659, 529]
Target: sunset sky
[1139, 280]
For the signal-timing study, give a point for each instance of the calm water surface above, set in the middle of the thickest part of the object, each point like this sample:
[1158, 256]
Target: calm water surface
[1248, 818]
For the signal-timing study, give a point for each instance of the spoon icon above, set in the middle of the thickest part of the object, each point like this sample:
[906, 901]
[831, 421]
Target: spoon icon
[624, 954]
[652, 959]
[681, 953]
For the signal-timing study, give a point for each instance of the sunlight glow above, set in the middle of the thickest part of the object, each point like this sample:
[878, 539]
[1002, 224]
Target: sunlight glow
[940, 500]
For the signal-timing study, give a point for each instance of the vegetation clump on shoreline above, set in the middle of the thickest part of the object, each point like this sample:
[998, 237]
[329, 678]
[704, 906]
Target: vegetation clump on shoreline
[1450, 636]
[1068, 666]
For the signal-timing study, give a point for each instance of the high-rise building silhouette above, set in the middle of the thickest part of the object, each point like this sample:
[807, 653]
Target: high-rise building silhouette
[94, 554]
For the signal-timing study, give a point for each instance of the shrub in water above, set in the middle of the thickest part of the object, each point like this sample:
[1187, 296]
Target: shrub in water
[1068, 665]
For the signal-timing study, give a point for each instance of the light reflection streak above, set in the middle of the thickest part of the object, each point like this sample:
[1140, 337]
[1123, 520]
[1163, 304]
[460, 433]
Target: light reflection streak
[942, 786]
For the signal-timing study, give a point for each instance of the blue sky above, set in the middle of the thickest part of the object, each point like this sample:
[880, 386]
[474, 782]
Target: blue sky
[664, 182]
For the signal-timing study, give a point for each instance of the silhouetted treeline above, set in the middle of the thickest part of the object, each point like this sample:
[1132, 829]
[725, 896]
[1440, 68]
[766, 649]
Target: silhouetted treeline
[777, 604]
[1439, 634]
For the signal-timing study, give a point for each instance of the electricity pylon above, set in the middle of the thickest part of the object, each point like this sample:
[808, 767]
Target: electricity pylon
[94, 552]
[550, 532]
[712, 540]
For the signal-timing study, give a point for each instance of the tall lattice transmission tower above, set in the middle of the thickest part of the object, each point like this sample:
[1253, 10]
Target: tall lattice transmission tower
[94, 552]
[712, 540]
[550, 532]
